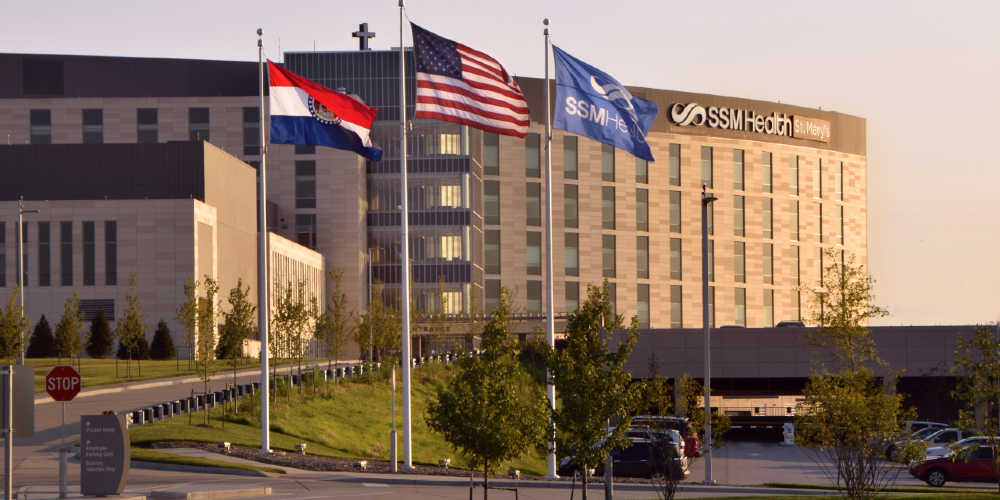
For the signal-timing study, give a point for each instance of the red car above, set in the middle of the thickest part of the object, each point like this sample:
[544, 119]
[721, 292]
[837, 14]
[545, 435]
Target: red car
[972, 466]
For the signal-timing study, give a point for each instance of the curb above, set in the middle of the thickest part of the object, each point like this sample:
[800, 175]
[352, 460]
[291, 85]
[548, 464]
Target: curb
[204, 470]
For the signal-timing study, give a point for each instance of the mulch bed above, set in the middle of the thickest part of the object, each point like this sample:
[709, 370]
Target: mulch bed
[337, 464]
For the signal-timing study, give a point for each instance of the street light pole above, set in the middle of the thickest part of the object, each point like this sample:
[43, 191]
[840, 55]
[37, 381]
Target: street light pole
[22, 270]
[705, 200]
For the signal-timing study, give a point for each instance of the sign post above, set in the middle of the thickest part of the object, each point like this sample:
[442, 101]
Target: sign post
[62, 384]
[17, 385]
[104, 454]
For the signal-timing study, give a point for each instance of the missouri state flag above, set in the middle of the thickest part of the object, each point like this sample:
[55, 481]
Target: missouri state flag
[307, 113]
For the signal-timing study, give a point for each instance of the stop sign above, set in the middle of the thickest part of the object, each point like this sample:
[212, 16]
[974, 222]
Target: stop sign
[63, 383]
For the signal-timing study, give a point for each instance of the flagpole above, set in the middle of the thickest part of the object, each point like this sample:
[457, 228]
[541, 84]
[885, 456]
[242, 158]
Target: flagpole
[405, 250]
[262, 309]
[550, 328]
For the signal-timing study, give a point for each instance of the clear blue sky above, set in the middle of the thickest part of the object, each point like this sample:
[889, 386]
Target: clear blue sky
[923, 74]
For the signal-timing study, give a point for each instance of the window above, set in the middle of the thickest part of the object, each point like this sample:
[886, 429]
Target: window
[642, 209]
[793, 219]
[818, 178]
[765, 167]
[534, 254]
[66, 252]
[838, 182]
[642, 256]
[198, 124]
[89, 254]
[675, 259]
[818, 221]
[641, 171]
[534, 297]
[24, 255]
[110, 253]
[608, 207]
[570, 158]
[739, 228]
[41, 126]
[739, 262]
[819, 266]
[676, 320]
[492, 295]
[251, 132]
[607, 163]
[793, 175]
[706, 166]
[302, 149]
[840, 224]
[768, 219]
[608, 255]
[741, 306]
[491, 154]
[711, 307]
[613, 297]
[710, 210]
[711, 260]
[572, 296]
[3, 254]
[768, 263]
[44, 253]
[675, 211]
[533, 204]
[675, 164]
[796, 306]
[738, 169]
[793, 266]
[93, 126]
[147, 128]
[768, 308]
[491, 202]
[532, 154]
[572, 254]
[571, 206]
[305, 184]
[642, 305]
[305, 230]
[492, 250]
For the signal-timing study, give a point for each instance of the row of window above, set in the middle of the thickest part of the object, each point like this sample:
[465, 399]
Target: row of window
[66, 248]
[533, 152]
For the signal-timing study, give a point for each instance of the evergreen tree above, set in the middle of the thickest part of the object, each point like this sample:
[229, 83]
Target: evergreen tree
[163, 343]
[101, 340]
[43, 344]
[139, 352]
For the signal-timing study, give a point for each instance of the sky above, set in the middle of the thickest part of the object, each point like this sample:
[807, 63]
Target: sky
[923, 74]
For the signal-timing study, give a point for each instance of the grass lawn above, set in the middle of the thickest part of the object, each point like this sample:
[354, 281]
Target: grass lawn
[350, 420]
[97, 372]
[160, 457]
[912, 496]
[893, 489]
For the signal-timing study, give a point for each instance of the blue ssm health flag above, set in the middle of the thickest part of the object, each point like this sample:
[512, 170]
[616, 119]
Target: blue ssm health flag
[591, 103]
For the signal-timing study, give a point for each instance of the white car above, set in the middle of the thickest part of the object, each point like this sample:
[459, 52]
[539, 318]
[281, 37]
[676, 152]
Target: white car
[940, 451]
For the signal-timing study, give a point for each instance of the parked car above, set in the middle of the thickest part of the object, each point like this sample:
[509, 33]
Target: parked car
[692, 445]
[637, 461]
[669, 435]
[790, 324]
[940, 437]
[890, 450]
[971, 442]
[971, 466]
[916, 425]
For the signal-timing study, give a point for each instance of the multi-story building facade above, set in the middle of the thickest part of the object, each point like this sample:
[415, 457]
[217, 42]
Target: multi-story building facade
[476, 199]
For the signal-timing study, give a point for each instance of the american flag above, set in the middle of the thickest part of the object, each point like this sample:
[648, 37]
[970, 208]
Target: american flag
[461, 85]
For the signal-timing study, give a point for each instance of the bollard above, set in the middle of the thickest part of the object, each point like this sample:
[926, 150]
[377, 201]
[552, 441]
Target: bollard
[137, 417]
[63, 472]
[295, 380]
[157, 412]
[176, 407]
[256, 386]
[239, 391]
[168, 410]
[147, 415]
[340, 373]
[201, 401]
[330, 374]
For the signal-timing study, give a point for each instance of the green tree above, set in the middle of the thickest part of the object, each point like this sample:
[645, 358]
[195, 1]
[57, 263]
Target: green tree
[592, 385]
[491, 409]
[42, 344]
[208, 317]
[847, 411]
[331, 326]
[379, 327]
[68, 341]
[187, 316]
[132, 325]
[292, 319]
[163, 343]
[101, 340]
[239, 326]
[978, 370]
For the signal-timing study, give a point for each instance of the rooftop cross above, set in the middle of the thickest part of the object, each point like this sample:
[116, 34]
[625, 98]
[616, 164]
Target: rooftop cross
[363, 34]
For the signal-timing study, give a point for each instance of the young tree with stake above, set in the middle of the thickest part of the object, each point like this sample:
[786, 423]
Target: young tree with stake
[208, 316]
[132, 325]
[12, 325]
[187, 316]
[68, 329]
